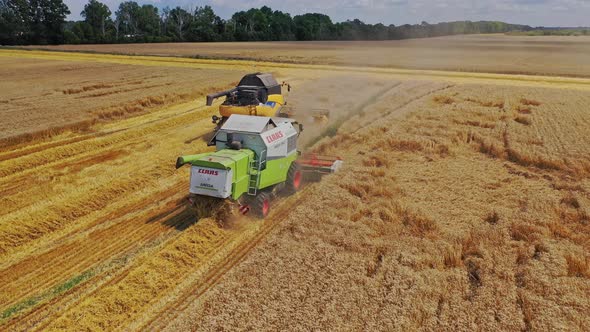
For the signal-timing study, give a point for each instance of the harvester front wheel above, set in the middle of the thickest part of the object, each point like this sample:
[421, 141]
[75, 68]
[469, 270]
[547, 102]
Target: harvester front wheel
[294, 179]
[262, 205]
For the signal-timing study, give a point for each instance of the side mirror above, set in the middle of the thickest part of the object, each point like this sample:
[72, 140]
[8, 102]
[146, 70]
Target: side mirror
[179, 162]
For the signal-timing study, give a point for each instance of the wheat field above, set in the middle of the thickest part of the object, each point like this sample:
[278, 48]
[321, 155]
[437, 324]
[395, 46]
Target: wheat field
[496, 53]
[463, 203]
[43, 98]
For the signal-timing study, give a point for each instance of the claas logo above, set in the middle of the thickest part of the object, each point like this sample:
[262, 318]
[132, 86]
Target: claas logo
[273, 137]
[208, 172]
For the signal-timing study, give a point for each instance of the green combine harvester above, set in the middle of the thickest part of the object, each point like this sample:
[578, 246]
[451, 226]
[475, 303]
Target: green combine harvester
[256, 160]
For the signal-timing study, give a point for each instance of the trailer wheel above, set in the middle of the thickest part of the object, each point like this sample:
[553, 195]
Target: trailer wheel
[262, 205]
[294, 179]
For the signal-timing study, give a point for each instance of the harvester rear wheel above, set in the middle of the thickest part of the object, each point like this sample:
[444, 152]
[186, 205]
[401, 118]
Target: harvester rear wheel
[294, 179]
[262, 205]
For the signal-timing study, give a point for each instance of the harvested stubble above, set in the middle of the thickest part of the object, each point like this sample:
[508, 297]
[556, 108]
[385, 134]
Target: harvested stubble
[369, 247]
[401, 239]
[106, 188]
[72, 96]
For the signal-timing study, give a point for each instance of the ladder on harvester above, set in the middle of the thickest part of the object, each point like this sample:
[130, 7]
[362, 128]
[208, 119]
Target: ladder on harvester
[256, 167]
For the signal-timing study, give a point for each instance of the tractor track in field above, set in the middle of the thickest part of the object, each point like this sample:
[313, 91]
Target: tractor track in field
[63, 156]
[114, 217]
[104, 239]
[17, 151]
[174, 309]
[94, 247]
[39, 317]
[67, 151]
[19, 181]
[99, 243]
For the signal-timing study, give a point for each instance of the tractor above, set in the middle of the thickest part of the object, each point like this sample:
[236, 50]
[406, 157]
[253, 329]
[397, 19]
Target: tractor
[256, 160]
[258, 94]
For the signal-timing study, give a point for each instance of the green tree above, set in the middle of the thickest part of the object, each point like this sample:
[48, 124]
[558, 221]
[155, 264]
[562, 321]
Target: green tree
[205, 25]
[261, 23]
[281, 26]
[47, 19]
[82, 33]
[180, 20]
[97, 15]
[240, 22]
[313, 27]
[14, 21]
[148, 21]
[126, 19]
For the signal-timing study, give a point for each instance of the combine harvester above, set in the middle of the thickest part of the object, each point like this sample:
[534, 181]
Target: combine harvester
[257, 94]
[256, 160]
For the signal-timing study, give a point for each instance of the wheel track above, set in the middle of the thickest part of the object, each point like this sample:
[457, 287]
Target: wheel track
[108, 141]
[18, 151]
[415, 94]
[41, 316]
[81, 253]
[67, 162]
[77, 260]
[103, 221]
[172, 310]
[15, 182]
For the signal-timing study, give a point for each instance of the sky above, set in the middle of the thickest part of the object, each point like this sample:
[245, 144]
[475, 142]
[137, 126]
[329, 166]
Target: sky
[565, 13]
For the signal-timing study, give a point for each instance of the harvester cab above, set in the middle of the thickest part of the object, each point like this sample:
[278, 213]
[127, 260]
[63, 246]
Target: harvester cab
[257, 94]
[256, 158]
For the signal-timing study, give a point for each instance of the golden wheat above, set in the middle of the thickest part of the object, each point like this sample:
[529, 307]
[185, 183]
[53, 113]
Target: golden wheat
[455, 194]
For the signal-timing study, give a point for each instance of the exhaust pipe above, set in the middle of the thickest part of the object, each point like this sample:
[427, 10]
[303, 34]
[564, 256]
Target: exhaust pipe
[181, 161]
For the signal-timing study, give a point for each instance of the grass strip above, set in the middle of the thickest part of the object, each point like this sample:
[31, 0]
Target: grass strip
[55, 291]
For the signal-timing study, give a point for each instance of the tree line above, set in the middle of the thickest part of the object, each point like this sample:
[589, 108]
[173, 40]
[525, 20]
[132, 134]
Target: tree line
[44, 22]
[553, 32]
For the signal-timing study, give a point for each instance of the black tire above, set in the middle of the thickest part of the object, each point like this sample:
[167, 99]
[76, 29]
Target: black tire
[294, 179]
[261, 205]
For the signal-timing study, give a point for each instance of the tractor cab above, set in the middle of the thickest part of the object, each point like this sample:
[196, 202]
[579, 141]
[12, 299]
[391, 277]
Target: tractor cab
[266, 137]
